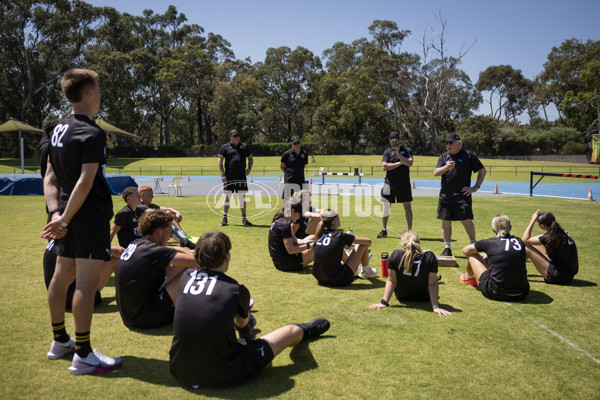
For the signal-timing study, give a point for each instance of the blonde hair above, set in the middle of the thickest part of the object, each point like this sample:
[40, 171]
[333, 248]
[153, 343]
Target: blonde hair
[501, 225]
[327, 217]
[411, 244]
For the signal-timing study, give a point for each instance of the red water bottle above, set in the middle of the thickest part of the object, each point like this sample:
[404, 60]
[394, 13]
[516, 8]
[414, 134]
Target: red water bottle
[384, 265]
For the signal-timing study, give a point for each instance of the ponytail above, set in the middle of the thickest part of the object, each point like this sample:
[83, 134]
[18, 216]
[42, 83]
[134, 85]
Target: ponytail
[411, 244]
[556, 234]
[501, 226]
[327, 217]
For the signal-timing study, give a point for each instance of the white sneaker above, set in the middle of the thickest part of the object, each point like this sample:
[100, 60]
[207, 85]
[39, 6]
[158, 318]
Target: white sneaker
[58, 350]
[95, 362]
[368, 272]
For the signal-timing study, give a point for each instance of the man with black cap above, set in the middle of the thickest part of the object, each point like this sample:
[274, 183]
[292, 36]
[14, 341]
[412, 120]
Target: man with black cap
[234, 174]
[397, 160]
[455, 204]
[293, 162]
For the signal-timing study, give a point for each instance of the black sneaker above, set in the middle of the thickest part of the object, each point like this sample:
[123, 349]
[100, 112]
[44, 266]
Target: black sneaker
[245, 222]
[447, 252]
[248, 331]
[382, 234]
[224, 222]
[314, 328]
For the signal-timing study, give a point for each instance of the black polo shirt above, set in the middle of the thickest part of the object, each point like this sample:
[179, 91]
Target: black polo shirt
[75, 141]
[465, 163]
[399, 175]
[294, 166]
[204, 350]
[138, 277]
[127, 220]
[235, 160]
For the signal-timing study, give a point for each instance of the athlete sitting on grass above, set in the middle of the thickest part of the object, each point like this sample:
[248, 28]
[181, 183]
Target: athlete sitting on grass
[554, 253]
[125, 225]
[287, 252]
[210, 304]
[413, 275]
[501, 275]
[146, 195]
[329, 253]
[147, 274]
[307, 223]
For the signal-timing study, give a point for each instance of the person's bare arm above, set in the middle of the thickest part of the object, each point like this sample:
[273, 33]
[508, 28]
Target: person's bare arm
[80, 192]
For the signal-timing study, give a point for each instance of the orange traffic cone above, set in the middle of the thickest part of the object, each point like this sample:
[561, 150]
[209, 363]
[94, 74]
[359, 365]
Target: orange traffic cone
[310, 181]
[251, 179]
[590, 198]
[496, 189]
[188, 178]
[413, 185]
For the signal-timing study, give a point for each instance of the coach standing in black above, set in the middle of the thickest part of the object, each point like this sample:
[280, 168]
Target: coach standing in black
[397, 160]
[234, 154]
[293, 162]
[456, 203]
[76, 167]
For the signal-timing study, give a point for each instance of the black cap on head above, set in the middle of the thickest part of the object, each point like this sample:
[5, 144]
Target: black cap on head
[394, 135]
[233, 132]
[452, 137]
[295, 139]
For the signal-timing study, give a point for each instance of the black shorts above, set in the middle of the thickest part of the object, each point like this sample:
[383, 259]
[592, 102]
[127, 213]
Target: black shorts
[490, 289]
[157, 312]
[401, 193]
[292, 263]
[88, 236]
[343, 277]
[290, 188]
[558, 274]
[457, 208]
[235, 185]
[255, 356]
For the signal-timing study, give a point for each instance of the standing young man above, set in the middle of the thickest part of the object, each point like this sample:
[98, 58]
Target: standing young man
[456, 204]
[397, 160]
[234, 154]
[293, 162]
[76, 167]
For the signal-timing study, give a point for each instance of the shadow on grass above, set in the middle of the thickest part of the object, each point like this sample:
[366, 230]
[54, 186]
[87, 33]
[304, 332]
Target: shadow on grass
[434, 240]
[274, 381]
[166, 330]
[582, 283]
[425, 306]
[535, 297]
[108, 305]
[360, 284]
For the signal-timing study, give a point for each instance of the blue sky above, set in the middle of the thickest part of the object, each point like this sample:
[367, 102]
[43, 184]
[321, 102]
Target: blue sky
[518, 33]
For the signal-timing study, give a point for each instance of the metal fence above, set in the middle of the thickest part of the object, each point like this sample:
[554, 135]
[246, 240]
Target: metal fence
[375, 171]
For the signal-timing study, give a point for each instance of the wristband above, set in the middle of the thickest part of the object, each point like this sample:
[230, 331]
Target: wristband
[435, 307]
[52, 212]
[477, 186]
[62, 222]
[385, 303]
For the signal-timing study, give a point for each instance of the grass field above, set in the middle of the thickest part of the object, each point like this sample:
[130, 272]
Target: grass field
[546, 347]
[370, 165]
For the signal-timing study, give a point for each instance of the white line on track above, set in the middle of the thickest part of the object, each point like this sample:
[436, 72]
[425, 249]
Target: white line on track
[550, 331]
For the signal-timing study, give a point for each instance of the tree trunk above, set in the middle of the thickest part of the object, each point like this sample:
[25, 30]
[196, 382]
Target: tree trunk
[199, 122]
[167, 130]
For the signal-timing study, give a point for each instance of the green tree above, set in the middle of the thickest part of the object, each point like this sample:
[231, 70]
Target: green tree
[39, 41]
[507, 88]
[286, 77]
[571, 80]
